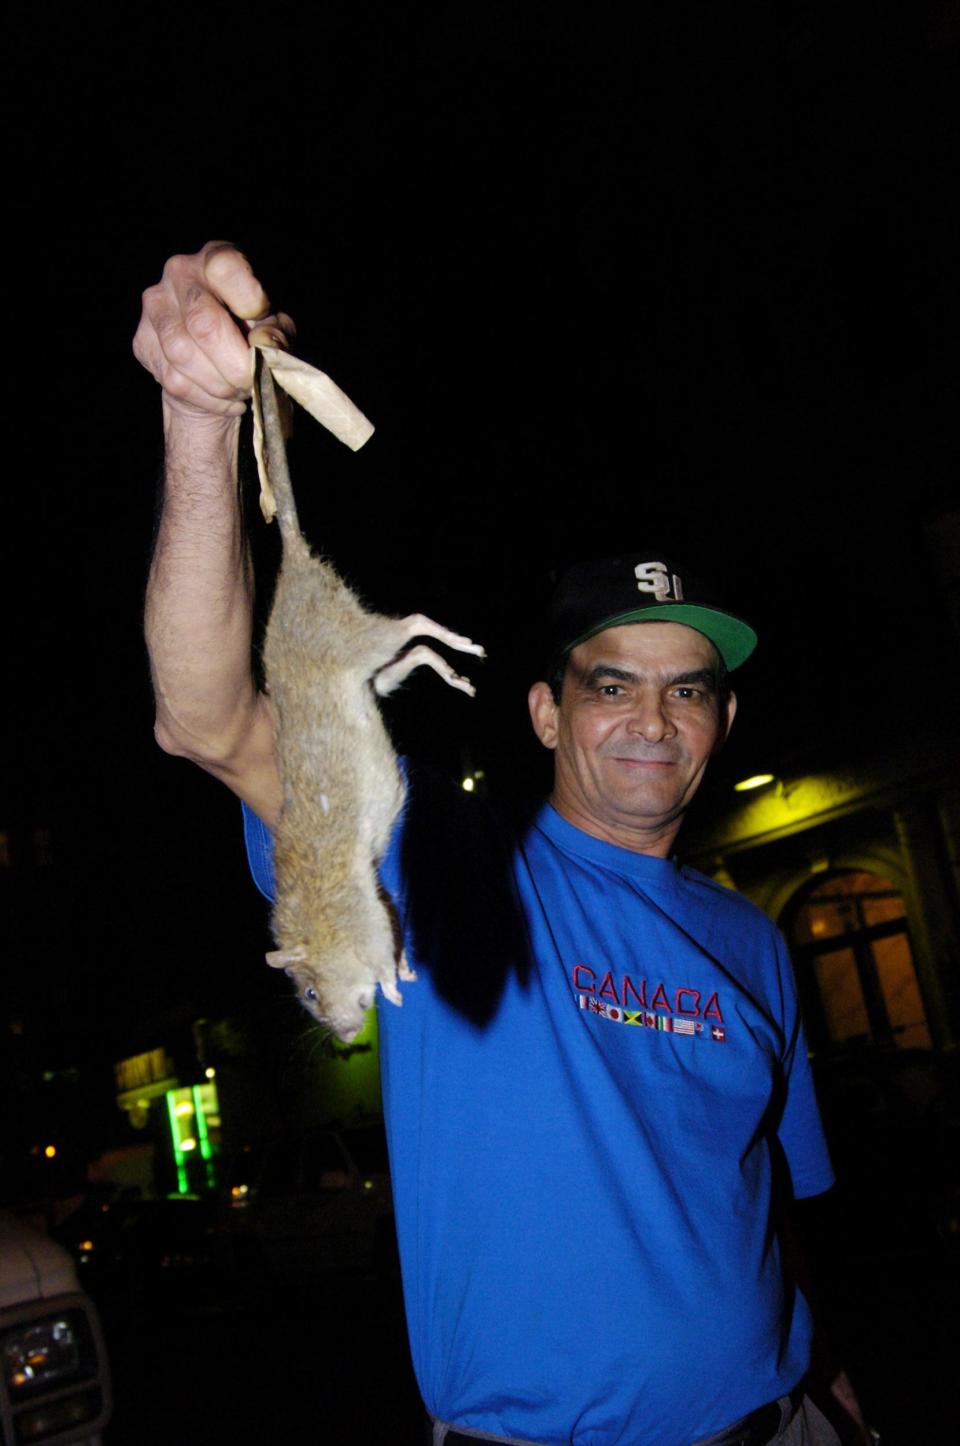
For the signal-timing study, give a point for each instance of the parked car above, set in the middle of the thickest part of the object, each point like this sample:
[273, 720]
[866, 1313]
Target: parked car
[314, 1202]
[56, 1381]
[153, 1254]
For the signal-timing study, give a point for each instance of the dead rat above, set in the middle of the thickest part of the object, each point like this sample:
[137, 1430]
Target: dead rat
[326, 657]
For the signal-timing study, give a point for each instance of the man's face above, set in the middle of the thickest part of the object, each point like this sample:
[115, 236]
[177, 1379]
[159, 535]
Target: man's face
[636, 725]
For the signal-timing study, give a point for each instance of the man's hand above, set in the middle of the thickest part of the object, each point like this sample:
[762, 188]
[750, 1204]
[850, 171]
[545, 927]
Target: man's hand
[189, 337]
[847, 1413]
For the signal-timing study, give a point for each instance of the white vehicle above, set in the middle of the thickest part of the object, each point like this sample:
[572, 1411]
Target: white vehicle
[56, 1384]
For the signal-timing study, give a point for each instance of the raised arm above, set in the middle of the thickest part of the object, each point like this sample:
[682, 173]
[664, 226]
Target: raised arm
[192, 339]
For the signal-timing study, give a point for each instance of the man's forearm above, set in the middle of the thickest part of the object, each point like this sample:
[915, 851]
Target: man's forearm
[199, 611]
[199, 595]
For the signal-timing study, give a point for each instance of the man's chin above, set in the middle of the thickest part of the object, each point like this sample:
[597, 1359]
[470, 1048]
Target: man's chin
[646, 824]
[648, 795]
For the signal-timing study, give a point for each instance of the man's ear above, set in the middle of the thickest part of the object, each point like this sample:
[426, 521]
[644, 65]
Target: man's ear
[543, 714]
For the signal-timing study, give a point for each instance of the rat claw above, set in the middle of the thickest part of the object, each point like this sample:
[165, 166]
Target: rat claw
[391, 992]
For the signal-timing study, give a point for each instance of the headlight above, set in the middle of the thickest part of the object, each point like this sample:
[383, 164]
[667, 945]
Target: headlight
[48, 1350]
[56, 1382]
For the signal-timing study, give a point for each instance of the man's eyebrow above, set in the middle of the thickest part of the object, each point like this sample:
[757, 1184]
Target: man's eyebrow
[607, 670]
[705, 677]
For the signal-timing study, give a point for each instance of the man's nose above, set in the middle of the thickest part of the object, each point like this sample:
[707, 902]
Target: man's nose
[650, 719]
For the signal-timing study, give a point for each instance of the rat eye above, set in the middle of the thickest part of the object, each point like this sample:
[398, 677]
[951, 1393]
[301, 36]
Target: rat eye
[311, 994]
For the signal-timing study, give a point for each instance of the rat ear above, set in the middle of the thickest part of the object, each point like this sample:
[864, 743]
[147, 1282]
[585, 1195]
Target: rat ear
[282, 958]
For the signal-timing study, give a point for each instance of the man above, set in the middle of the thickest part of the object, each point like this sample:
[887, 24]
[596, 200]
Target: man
[598, 1083]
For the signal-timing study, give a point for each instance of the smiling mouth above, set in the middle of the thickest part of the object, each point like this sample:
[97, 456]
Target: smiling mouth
[645, 762]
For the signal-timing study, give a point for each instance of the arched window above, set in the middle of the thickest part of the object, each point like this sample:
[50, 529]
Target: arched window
[848, 934]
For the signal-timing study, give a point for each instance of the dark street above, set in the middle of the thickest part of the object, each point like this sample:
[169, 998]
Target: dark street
[331, 1364]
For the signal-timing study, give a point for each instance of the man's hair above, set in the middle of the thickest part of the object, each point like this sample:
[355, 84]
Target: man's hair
[721, 680]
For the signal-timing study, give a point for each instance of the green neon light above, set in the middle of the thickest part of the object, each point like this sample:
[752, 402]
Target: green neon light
[182, 1184]
[203, 1139]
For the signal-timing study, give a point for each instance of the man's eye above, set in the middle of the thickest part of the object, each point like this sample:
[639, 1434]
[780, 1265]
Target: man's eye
[610, 690]
[686, 693]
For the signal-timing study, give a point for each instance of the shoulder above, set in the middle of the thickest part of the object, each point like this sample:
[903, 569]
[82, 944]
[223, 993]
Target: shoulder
[731, 905]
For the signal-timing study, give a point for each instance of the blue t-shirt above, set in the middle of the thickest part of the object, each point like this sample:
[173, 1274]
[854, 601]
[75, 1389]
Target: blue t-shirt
[591, 1093]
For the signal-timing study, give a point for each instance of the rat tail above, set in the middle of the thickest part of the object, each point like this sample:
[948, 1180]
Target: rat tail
[276, 458]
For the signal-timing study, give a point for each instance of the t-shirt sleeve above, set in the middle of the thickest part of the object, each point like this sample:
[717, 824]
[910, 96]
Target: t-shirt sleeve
[259, 842]
[800, 1131]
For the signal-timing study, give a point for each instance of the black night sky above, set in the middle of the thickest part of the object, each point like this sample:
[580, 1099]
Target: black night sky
[690, 282]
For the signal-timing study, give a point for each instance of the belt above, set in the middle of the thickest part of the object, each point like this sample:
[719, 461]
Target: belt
[761, 1427]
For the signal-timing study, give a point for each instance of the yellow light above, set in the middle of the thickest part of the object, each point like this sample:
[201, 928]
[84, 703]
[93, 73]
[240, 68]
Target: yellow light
[468, 785]
[237, 1191]
[210, 1072]
[186, 1108]
[86, 1244]
[757, 781]
[50, 1151]
[188, 1144]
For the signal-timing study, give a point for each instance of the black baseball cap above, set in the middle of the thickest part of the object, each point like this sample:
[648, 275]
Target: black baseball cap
[640, 587]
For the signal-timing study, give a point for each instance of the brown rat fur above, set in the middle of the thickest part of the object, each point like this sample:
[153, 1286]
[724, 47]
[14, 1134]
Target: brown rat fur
[325, 657]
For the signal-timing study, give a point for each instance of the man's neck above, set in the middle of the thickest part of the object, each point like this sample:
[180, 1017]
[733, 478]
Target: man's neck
[655, 839]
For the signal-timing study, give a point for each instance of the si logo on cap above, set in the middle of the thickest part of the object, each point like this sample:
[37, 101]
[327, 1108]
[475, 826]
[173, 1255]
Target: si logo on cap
[654, 577]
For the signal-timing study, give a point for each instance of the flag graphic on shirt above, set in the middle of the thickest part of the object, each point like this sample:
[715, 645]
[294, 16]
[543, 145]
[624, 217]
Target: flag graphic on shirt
[663, 1023]
[597, 1006]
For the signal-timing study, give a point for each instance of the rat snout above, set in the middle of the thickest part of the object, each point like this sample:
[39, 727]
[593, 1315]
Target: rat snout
[347, 1016]
[350, 1025]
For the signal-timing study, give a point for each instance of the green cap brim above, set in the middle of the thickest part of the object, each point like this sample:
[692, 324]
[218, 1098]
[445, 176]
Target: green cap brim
[733, 639]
